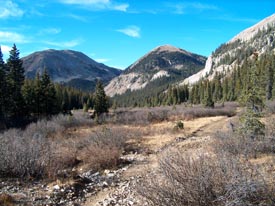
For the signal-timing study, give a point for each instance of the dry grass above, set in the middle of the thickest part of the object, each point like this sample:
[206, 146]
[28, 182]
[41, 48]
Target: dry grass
[227, 174]
[48, 149]
[144, 116]
[240, 144]
[205, 181]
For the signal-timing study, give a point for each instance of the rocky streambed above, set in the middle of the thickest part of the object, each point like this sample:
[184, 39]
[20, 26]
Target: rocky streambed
[80, 190]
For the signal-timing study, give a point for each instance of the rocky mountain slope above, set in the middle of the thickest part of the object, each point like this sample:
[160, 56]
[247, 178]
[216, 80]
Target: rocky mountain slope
[162, 62]
[256, 40]
[67, 66]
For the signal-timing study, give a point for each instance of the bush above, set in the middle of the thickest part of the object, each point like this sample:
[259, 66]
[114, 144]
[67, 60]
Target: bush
[270, 105]
[179, 125]
[22, 155]
[45, 149]
[240, 143]
[205, 181]
[6, 200]
[103, 149]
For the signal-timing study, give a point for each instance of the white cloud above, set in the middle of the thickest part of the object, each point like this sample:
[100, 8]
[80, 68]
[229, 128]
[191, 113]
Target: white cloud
[102, 60]
[9, 9]
[188, 7]
[66, 44]
[132, 31]
[202, 6]
[49, 31]
[12, 37]
[121, 7]
[236, 19]
[98, 4]
[85, 2]
[76, 17]
[5, 50]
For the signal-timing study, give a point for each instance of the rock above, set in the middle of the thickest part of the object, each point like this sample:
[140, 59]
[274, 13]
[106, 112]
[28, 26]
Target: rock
[56, 187]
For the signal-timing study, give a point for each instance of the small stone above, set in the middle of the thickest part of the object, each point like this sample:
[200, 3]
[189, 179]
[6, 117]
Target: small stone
[105, 184]
[56, 187]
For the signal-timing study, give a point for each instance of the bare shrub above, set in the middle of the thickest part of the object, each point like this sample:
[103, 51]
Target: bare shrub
[270, 105]
[78, 118]
[142, 116]
[6, 200]
[197, 112]
[205, 181]
[23, 155]
[236, 143]
[31, 153]
[100, 157]
[102, 149]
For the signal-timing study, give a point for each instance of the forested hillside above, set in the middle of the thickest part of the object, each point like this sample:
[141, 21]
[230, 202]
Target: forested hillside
[23, 100]
[153, 72]
[225, 86]
[71, 68]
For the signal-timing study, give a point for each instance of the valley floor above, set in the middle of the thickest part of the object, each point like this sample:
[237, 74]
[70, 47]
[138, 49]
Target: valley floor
[195, 136]
[118, 186]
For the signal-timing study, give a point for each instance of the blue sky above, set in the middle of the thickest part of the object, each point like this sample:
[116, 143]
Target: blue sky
[118, 32]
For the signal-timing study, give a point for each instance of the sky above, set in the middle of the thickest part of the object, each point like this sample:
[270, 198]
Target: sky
[118, 32]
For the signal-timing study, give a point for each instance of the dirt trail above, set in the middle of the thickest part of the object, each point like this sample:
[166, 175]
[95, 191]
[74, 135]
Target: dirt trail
[194, 135]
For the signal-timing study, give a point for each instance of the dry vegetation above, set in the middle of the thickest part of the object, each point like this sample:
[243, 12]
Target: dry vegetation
[234, 170]
[144, 116]
[231, 171]
[49, 149]
[206, 180]
[46, 149]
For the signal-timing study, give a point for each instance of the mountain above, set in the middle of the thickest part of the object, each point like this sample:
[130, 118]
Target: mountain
[69, 67]
[166, 63]
[256, 40]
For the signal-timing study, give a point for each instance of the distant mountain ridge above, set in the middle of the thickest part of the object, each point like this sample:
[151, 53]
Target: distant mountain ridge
[69, 67]
[162, 62]
[256, 40]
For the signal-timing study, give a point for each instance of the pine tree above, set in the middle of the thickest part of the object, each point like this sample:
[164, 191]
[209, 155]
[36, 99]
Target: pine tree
[49, 95]
[38, 96]
[100, 99]
[15, 81]
[3, 93]
[208, 100]
[217, 94]
[29, 95]
[252, 98]
[269, 80]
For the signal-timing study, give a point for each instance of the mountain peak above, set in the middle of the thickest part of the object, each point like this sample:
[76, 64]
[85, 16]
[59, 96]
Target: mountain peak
[162, 62]
[66, 66]
[169, 48]
[259, 38]
[250, 32]
[158, 55]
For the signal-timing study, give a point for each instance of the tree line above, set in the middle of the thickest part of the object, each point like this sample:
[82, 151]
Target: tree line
[224, 86]
[234, 85]
[24, 100]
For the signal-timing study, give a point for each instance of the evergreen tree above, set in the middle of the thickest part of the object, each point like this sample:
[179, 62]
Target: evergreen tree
[49, 95]
[15, 81]
[217, 94]
[253, 100]
[3, 93]
[29, 95]
[208, 100]
[269, 80]
[100, 99]
[38, 108]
